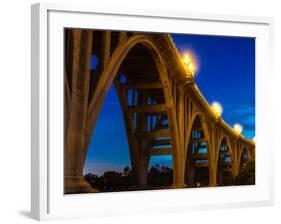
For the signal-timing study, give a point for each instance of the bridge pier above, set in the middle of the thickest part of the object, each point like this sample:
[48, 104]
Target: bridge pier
[178, 176]
[213, 179]
[191, 176]
[78, 77]
[139, 169]
[212, 173]
[140, 177]
[77, 184]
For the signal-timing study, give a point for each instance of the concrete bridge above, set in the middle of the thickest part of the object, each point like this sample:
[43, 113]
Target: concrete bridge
[164, 111]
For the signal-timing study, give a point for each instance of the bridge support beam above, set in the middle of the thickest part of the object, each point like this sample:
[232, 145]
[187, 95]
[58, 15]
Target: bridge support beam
[139, 163]
[75, 148]
[235, 169]
[179, 168]
[178, 173]
[213, 178]
[140, 159]
[212, 171]
[190, 173]
[140, 175]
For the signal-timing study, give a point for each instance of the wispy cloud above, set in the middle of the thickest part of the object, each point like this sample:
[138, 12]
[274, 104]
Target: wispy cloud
[243, 114]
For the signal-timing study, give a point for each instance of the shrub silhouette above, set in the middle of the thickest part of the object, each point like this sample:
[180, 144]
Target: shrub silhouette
[114, 181]
[246, 174]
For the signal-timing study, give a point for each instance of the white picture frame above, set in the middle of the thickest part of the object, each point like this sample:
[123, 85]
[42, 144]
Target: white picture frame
[48, 201]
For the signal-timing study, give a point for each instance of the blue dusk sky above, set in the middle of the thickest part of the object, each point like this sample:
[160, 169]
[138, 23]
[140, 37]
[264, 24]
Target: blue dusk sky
[225, 72]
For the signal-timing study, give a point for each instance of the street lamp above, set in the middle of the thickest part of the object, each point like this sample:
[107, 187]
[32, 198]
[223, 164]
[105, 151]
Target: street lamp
[238, 128]
[186, 59]
[188, 63]
[217, 109]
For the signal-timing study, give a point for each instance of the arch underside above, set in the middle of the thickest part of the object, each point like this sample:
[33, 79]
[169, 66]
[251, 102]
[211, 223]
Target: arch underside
[224, 164]
[140, 90]
[197, 163]
[244, 157]
[143, 88]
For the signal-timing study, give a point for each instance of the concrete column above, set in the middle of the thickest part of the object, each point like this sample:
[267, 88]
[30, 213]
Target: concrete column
[219, 177]
[123, 37]
[191, 176]
[178, 158]
[180, 115]
[213, 179]
[235, 169]
[106, 44]
[142, 174]
[140, 161]
[212, 173]
[75, 148]
[178, 176]
[236, 160]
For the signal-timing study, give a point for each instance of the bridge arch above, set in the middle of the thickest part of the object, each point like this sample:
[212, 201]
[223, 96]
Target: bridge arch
[189, 128]
[141, 138]
[225, 162]
[197, 170]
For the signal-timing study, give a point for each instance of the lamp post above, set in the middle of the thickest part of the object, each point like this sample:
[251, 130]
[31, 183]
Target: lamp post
[217, 109]
[238, 128]
[188, 64]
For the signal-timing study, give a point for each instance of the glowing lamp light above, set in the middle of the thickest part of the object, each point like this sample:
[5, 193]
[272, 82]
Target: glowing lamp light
[191, 68]
[217, 108]
[188, 63]
[238, 128]
[186, 59]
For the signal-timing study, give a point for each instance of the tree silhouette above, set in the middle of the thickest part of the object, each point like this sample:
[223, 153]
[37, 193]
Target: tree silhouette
[158, 176]
[126, 170]
[246, 174]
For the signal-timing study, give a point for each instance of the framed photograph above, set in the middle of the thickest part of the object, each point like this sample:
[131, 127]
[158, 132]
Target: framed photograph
[161, 111]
